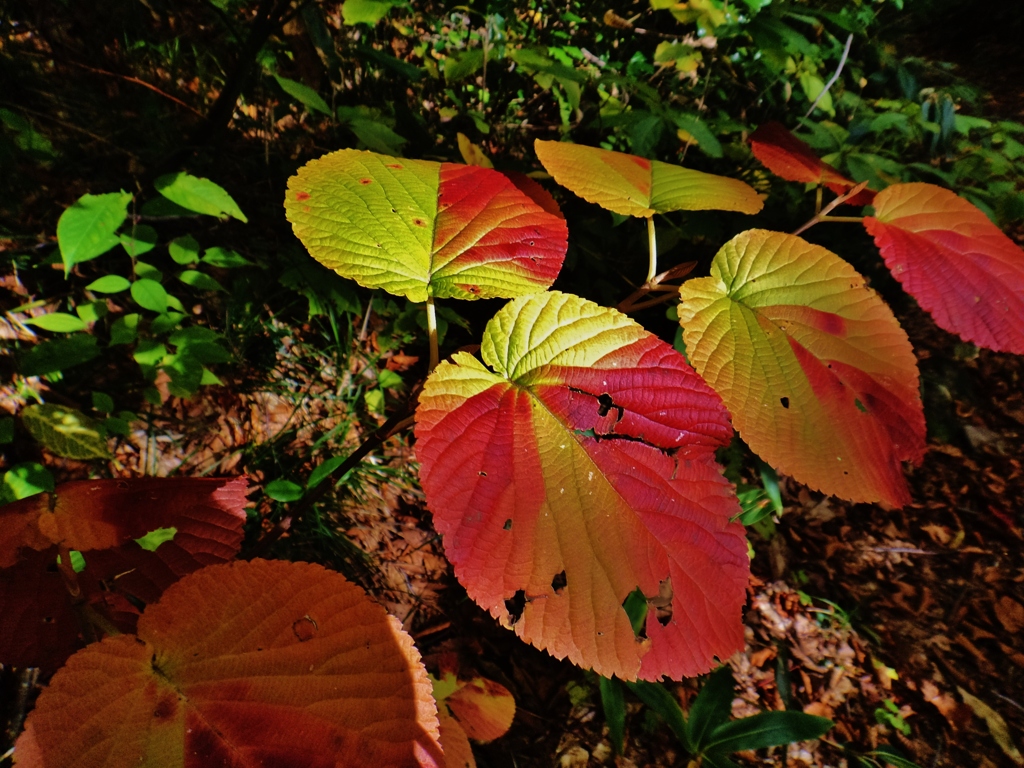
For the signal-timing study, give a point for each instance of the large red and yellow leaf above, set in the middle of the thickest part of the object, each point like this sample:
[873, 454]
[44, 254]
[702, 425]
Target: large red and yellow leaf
[416, 228]
[576, 468]
[243, 664]
[820, 378]
[40, 620]
[957, 264]
[787, 156]
[634, 186]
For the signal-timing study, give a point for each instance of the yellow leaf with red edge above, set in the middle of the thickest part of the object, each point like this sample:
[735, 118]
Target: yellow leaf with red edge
[634, 186]
[574, 465]
[819, 377]
[417, 228]
[958, 265]
[248, 663]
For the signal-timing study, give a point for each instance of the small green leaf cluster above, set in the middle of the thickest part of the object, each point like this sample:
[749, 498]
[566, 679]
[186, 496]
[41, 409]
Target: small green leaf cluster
[125, 301]
[707, 732]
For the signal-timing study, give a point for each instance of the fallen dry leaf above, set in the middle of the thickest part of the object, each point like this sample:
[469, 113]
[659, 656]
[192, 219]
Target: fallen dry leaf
[1010, 614]
[996, 725]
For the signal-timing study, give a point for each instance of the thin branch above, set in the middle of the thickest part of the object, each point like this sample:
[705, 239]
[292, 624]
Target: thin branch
[656, 284]
[143, 83]
[835, 75]
[822, 215]
[398, 421]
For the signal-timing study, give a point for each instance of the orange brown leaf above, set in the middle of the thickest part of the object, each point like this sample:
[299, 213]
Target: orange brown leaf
[243, 664]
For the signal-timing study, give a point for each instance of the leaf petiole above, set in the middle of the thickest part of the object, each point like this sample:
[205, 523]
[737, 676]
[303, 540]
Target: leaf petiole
[432, 332]
[652, 246]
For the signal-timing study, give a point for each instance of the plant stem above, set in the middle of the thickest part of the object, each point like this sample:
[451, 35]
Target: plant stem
[652, 246]
[432, 332]
[823, 214]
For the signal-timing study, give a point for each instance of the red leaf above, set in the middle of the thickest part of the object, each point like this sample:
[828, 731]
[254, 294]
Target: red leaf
[958, 265]
[102, 519]
[787, 156]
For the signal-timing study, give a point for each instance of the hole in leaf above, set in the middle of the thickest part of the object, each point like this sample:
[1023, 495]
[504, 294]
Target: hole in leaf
[785, 402]
[47, 619]
[515, 606]
[508, 524]
[860, 406]
[559, 582]
[482, 473]
[635, 606]
[604, 404]
[662, 604]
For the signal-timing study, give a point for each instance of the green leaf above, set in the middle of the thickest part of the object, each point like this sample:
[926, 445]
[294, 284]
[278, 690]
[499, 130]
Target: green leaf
[712, 707]
[124, 330]
[148, 271]
[92, 311]
[108, 284]
[377, 136]
[77, 560]
[199, 195]
[768, 729]
[698, 129]
[323, 471]
[149, 294]
[58, 322]
[149, 353]
[462, 64]
[161, 207]
[58, 355]
[614, 705]
[283, 490]
[200, 280]
[374, 399]
[635, 606]
[152, 540]
[184, 250]
[304, 94]
[657, 697]
[890, 756]
[186, 373]
[102, 402]
[388, 379]
[168, 321]
[139, 241]
[6, 430]
[225, 259]
[66, 431]
[24, 480]
[86, 229]
[364, 11]
[116, 426]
